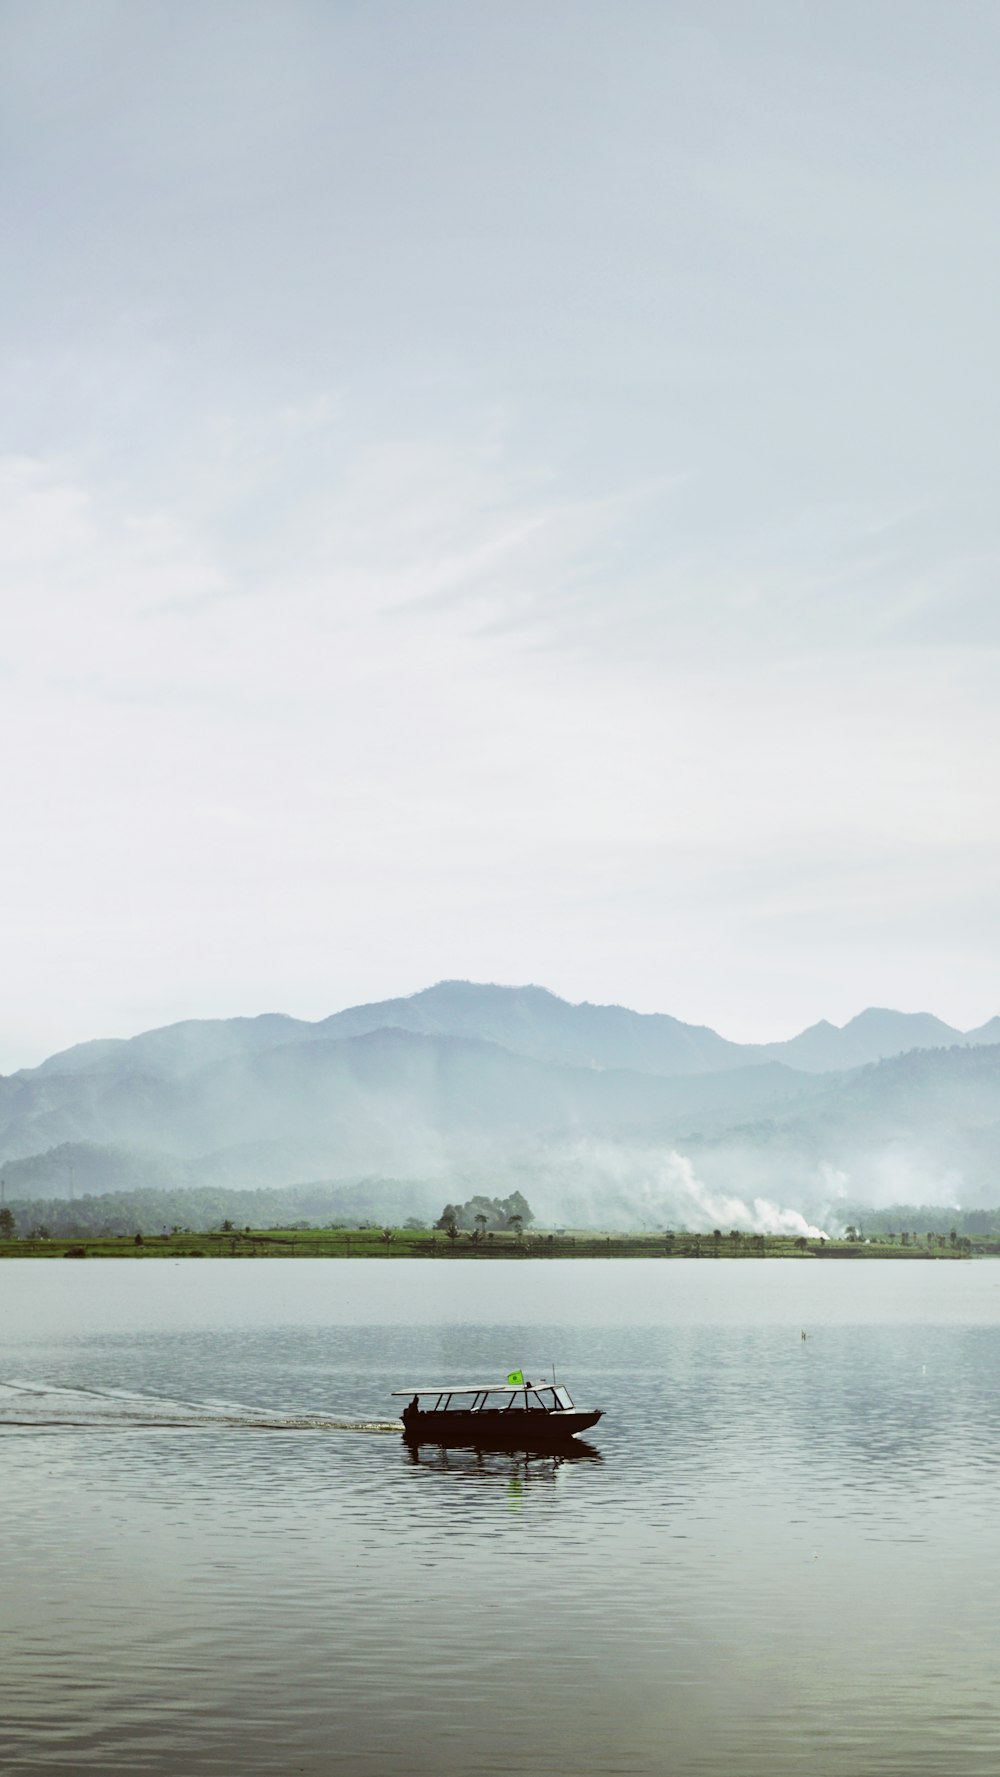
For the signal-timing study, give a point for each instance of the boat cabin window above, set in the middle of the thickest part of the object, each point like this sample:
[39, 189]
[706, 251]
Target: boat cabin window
[562, 1398]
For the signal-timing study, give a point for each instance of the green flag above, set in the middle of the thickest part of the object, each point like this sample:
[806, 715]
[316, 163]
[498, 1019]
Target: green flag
[516, 1379]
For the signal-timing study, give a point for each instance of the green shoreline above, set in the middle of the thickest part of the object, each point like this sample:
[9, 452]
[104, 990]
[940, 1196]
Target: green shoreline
[355, 1243]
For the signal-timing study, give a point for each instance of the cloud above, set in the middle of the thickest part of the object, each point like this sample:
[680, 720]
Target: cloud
[367, 705]
[563, 549]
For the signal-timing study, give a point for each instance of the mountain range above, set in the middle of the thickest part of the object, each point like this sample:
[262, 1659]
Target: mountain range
[529, 1021]
[591, 1110]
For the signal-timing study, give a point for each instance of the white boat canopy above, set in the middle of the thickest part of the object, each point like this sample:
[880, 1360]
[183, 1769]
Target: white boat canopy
[469, 1388]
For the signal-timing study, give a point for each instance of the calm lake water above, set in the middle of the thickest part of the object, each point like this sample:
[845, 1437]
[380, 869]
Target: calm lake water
[780, 1558]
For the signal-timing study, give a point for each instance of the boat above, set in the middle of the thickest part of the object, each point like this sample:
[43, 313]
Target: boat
[516, 1414]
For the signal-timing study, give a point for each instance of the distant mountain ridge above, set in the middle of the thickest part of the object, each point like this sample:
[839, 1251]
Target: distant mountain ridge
[528, 1021]
[873, 1035]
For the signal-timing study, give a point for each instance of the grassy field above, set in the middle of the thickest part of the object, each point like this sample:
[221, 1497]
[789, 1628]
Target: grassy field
[354, 1243]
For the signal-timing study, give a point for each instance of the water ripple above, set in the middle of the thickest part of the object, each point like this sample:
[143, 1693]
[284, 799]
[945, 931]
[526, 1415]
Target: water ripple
[777, 1555]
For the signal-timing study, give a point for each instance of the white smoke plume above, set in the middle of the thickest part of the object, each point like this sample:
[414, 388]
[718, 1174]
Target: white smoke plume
[601, 1184]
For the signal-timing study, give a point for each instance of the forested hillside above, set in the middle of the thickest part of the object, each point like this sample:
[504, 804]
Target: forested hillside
[270, 1103]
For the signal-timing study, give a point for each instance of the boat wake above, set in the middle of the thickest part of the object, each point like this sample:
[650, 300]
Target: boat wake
[44, 1405]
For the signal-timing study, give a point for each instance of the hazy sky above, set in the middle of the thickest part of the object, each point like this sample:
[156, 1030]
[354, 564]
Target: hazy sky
[498, 490]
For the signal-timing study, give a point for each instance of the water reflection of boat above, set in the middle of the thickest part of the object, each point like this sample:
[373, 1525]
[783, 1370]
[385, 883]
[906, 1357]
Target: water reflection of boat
[474, 1462]
[517, 1414]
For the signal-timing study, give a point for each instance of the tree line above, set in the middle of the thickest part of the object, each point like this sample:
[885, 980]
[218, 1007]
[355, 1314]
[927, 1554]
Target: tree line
[910, 1221]
[197, 1208]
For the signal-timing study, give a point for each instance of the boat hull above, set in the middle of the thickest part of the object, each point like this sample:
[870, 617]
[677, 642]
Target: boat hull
[505, 1428]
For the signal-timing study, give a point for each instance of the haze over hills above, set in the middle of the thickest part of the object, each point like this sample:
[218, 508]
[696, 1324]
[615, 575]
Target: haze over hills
[387, 1100]
[593, 1111]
